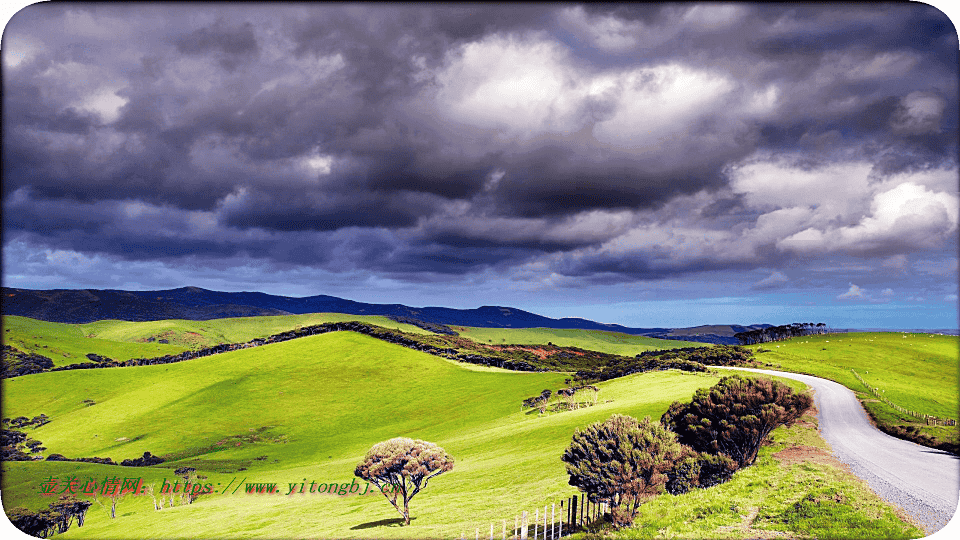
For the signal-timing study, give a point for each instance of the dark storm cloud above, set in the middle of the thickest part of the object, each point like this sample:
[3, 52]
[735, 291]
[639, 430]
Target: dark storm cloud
[456, 139]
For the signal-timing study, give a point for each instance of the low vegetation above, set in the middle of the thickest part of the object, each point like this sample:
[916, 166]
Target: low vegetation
[623, 462]
[795, 489]
[734, 417]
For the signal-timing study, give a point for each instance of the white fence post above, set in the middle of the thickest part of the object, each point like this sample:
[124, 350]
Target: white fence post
[553, 521]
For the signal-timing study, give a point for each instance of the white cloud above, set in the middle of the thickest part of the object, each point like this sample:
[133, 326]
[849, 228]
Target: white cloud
[906, 217]
[852, 292]
[920, 112]
[772, 281]
[846, 207]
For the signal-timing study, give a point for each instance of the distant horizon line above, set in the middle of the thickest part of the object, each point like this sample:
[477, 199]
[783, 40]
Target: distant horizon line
[950, 331]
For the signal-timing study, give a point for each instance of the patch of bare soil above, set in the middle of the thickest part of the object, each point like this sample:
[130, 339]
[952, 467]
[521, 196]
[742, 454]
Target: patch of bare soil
[748, 532]
[806, 454]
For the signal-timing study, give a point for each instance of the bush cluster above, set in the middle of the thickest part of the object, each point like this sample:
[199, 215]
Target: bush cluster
[57, 518]
[15, 363]
[696, 445]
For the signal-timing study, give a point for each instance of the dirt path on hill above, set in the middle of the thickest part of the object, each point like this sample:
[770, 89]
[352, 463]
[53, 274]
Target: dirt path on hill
[924, 482]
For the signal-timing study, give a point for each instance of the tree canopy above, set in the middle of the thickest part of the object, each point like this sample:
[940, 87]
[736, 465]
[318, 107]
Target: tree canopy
[405, 463]
[734, 416]
[622, 462]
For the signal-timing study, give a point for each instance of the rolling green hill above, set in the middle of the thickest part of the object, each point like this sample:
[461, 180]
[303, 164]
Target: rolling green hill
[67, 344]
[594, 340]
[307, 410]
[313, 407]
[916, 371]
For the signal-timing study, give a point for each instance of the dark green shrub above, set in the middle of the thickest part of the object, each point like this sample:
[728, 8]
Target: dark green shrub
[622, 462]
[734, 416]
[699, 470]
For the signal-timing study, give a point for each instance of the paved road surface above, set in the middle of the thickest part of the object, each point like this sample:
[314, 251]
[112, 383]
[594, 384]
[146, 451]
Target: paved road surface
[922, 481]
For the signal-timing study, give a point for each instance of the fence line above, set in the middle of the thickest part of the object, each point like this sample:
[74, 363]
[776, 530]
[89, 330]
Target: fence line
[930, 419]
[574, 513]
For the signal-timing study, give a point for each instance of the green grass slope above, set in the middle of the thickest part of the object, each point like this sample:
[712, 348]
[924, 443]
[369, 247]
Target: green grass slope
[310, 408]
[122, 340]
[594, 340]
[916, 371]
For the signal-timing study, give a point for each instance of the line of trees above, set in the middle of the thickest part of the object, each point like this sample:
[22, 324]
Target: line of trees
[57, 518]
[780, 333]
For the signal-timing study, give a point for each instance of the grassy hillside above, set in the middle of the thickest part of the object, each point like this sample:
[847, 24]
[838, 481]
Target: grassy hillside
[122, 340]
[313, 407]
[594, 340]
[915, 371]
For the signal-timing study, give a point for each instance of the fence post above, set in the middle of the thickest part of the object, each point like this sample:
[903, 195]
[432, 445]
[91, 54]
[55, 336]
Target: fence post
[523, 525]
[504, 529]
[491, 531]
[553, 521]
[536, 521]
[583, 502]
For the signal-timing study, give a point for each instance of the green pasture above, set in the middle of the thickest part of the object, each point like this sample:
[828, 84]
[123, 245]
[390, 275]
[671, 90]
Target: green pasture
[307, 410]
[122, 340]
[312, 407]
[594, 340]
[916, 371]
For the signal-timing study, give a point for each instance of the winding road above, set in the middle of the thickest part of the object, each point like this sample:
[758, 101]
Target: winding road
[924, 482]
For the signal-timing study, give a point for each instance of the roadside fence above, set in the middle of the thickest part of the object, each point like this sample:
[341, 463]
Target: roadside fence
[929, 419]
[555, 522]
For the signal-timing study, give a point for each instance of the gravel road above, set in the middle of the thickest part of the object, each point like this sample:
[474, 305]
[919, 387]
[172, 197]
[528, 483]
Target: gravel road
[922, 481]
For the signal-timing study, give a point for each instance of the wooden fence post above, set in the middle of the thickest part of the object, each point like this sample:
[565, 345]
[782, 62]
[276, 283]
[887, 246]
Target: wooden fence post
[536, 521]
[523, 525]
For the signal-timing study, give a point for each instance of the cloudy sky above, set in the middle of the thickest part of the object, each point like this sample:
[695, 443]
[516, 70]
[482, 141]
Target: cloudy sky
[648, 164]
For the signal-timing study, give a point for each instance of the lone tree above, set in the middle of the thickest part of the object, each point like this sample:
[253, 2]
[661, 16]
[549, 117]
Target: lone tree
[622, 462]
[734, 416]
[405, 463]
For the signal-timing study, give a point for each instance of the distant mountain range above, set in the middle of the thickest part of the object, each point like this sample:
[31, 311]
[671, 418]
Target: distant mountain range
[192, 303]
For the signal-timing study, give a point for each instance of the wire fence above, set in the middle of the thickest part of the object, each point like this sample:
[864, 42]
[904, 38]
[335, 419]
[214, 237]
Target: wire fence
[556, 521]
[930, 419]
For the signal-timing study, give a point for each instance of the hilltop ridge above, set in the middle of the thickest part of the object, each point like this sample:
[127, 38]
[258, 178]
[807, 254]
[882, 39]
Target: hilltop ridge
[78, 306]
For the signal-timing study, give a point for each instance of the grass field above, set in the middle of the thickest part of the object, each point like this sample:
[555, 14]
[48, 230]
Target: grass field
[594, 340]
[67, 344]
[915, 371]
[323, 401]
[308, 409]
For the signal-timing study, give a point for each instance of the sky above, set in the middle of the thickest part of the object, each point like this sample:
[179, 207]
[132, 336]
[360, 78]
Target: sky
[639, 164]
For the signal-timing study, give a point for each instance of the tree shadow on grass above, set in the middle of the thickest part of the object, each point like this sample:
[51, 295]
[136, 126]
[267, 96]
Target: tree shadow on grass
[393, 522]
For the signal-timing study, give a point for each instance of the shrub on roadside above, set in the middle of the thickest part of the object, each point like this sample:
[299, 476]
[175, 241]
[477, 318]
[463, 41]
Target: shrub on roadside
[735, 416]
